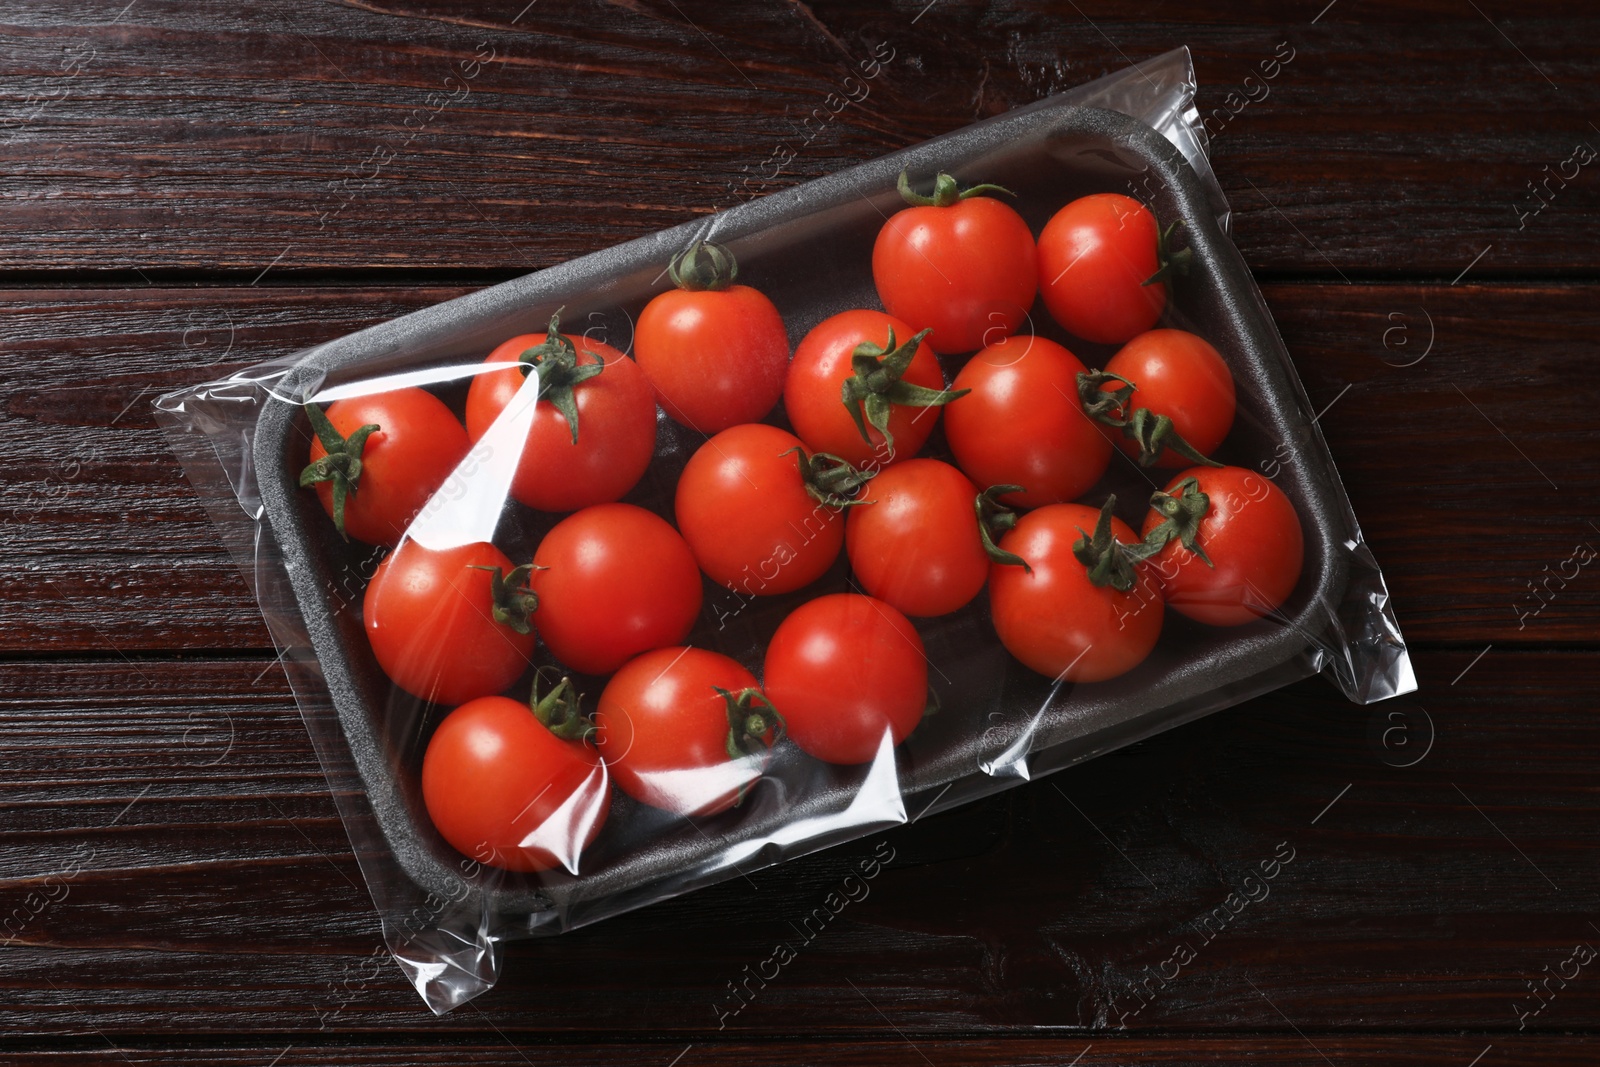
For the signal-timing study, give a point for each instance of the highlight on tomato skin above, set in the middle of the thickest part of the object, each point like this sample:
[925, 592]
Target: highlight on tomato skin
[1053, 618]
[685, 729]
[502, 789]
[1249, 531]
[449, 625]
[849, 676]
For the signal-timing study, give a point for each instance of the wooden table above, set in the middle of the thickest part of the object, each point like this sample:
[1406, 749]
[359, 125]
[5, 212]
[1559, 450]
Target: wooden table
[194, 188]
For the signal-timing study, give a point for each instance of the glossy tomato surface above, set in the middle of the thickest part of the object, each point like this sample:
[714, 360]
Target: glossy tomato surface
[716, 358]
[1054, 619]
[1095, 255]
[848, 674]
[1022, 423]
[967, 270]
[916, 544]
[429, 617]
[505, 791]
[613, 581]
[817, 374]
[616, 428]
[1252, 535]
[1179, 375]
[743, 508]
[663, 730]
[416, 446]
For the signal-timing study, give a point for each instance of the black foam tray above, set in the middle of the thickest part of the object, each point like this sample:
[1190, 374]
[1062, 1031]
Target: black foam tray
[809, 248]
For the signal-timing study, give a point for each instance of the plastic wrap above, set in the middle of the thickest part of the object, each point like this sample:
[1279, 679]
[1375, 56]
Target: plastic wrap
[244, 441]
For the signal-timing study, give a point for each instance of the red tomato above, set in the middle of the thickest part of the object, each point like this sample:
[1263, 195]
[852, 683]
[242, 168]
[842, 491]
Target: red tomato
[1096, 257]
[445, 629]
[376, 482]
[685, 730]
[1248, 530]
[960, 264]
[1053, 618]
[1178, 375]
[613, 581]
[915, 544]
[715, 352]
[561, 469]
[846, 671]
[903, 394]
[1022, 424]
[745, 509]
[505, 790]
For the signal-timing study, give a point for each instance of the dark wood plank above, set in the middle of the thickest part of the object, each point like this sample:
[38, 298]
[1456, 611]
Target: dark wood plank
[1104, 1050]
[221, 895]
[1445, 459]
[1398, 138]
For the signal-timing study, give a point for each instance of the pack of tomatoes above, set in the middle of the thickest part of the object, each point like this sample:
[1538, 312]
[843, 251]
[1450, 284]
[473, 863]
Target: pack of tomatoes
[830, 511]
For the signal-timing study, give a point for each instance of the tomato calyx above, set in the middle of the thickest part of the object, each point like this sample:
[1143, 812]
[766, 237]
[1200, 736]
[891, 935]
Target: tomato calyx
[751, 717]
[877, 385]
[703, 267]
[1152, 432]
[1181, 514]
[1107, 560]
[513, 602]
[994, 521]
[1168, 262]
[559, 371]
[342, 464]
[945, 191]
[561, 710]
[829, 480]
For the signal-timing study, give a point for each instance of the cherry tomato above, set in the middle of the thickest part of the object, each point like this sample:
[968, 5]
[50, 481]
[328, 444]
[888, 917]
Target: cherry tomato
[375, 483]
[506, 791]
[916, 544]
[1022, 424]
[561, 469]
[745, 509]
[1095, 256]
[443, 627]
[1250, 533]
[847, 671]
[1053, 618]
[959, 263]
[716, 352]
[1178, 375]
[613, 581]
[685, 730]
[905, 393]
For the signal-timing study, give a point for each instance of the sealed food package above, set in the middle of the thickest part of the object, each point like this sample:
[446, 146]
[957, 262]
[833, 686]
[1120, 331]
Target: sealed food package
[847, 505]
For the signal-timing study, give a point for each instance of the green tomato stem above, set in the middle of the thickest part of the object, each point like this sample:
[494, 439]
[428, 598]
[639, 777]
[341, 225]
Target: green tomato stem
[342, 464]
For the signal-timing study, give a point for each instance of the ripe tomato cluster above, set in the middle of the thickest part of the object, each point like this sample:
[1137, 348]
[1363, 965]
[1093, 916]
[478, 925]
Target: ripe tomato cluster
[770, 500]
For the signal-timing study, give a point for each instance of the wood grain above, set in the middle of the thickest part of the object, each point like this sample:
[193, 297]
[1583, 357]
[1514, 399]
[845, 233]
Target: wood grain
[106, 546]
[1398, 139]
[220, 894]
[1178, 1050]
